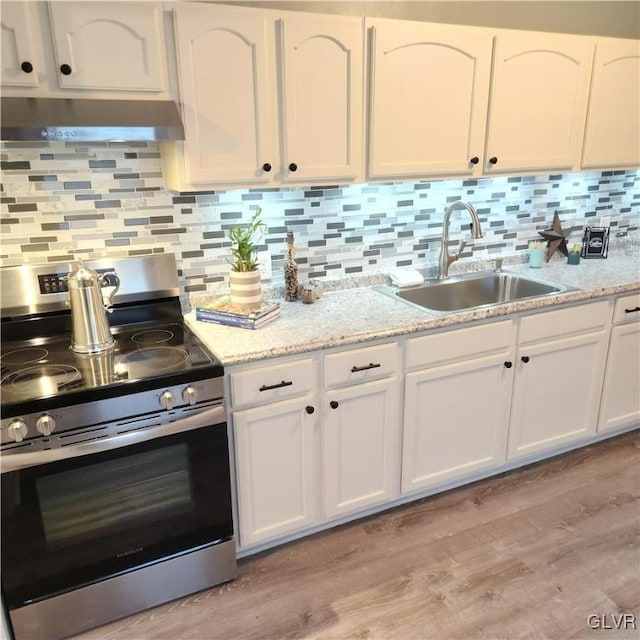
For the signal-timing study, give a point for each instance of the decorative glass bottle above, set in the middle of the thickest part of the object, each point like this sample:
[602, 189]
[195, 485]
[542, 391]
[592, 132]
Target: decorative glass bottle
[290, 271]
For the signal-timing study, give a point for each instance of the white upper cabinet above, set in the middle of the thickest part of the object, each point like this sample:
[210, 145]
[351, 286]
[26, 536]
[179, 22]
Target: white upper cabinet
[83, 49]
[20, 59]
[612, 136]
[429, 89]
[538, 103]
[260, 115]
[227, 93]
[113, 46]
[321, 66]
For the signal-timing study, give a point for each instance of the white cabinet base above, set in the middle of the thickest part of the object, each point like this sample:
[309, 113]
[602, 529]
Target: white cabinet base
[456, 420]
[277, 466]
[361, 446]
[556, 392]
[621, 396]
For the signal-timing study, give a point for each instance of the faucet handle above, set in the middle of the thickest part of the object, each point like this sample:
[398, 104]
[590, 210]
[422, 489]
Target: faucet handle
[461, 246]
[498, 268]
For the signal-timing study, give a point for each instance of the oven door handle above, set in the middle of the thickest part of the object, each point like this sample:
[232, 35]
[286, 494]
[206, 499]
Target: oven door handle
[208, 417]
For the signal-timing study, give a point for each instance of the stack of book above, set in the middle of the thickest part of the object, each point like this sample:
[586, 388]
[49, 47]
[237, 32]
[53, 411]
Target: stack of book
[222, 311]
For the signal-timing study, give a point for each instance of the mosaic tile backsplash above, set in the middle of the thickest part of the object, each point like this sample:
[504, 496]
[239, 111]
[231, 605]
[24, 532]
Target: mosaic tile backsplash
[62, 201]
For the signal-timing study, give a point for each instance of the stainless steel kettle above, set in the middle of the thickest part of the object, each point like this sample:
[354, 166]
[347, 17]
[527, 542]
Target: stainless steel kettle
[90, 331]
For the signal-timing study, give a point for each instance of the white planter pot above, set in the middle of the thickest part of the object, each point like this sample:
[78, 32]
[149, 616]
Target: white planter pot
[246, 291]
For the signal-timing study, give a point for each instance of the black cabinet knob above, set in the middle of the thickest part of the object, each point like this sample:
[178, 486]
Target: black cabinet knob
[266, 167]
[474, 160]
[334, 404]
[65, 69]
[309, 409]
[293, 167]
[493, 160]
[508, 364]
[525, 359]
[27, 67]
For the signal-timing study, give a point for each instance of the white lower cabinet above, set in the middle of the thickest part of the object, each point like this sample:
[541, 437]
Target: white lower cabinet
[620, 404]
[456, 414]
[301, 461]
[558, 380]
[472, 399]
[456, 421]
[361, 431]
[277, 454]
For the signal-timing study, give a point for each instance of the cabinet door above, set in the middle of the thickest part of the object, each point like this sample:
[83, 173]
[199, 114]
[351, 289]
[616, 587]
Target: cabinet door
[361, 446]
[227, 94]
[322, 82]
[556, 392]
[456, 420]
[428, 98]
[538, 102]
[621, 396]
[18, 52]
[109, 45]
[277, 451]
[612, 135]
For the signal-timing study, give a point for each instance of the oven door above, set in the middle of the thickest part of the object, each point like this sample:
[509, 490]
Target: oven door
[84, 513]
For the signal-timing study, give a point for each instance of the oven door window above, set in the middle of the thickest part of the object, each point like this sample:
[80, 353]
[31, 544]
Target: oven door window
[73, 522]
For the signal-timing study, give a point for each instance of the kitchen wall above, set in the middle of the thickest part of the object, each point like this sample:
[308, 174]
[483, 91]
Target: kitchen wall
[615, 18]
[62, 201]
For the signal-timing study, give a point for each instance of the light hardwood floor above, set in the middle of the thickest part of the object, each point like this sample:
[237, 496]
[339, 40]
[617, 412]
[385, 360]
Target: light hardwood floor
[529, 554]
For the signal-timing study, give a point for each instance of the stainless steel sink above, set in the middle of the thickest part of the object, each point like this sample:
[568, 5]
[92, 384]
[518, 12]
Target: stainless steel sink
[473, 291]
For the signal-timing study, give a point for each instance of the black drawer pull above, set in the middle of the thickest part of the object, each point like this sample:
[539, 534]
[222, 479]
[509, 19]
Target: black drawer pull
[284, 383]
[309, 409]
[334, 404]
[26, 66]
[508, 364]
[525, 359]
[368, 366]
[632, 310]
[65, 69]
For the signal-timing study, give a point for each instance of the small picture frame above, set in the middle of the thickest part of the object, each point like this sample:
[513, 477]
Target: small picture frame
[595, 243]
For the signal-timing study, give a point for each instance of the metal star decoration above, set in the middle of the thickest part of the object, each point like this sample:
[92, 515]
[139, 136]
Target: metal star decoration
[555, 237]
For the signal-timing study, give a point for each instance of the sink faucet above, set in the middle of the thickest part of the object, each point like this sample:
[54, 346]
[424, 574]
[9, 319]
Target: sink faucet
[446, 258]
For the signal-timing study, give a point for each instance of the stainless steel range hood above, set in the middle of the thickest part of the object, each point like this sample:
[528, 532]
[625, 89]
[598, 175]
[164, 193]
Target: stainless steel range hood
[89, 120]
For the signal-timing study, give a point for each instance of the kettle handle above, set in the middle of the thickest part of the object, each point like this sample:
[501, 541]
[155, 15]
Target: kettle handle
[105, 280]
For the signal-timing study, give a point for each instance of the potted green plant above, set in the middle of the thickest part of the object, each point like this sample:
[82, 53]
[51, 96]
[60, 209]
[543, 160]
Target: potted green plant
[244, 277]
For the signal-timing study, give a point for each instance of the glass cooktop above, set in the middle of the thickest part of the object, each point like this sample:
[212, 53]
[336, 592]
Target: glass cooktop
[45, 368]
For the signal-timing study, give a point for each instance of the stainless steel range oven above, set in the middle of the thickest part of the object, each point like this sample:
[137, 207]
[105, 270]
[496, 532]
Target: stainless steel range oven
[115, 465]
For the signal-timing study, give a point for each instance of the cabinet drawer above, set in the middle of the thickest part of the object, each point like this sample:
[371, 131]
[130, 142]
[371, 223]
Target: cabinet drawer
[460, 344]
[627, 309]
[273, 383]
[358, 365]
[551, 324]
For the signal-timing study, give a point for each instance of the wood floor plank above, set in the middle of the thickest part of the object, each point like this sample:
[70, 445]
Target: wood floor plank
[529, 554]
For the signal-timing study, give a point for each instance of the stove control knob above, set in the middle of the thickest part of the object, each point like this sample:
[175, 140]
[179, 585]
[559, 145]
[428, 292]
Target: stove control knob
[17, 430]
[167, 400]
[45, 424]
[189, 395]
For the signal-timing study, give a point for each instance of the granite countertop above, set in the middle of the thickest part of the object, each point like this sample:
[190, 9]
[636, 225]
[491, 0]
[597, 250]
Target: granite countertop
[356, 315]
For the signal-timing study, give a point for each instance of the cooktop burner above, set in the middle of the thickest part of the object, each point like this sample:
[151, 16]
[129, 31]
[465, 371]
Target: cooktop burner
[154, 359]
[40, 380]
[31, 372]
[152, 336]
[23, 356]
